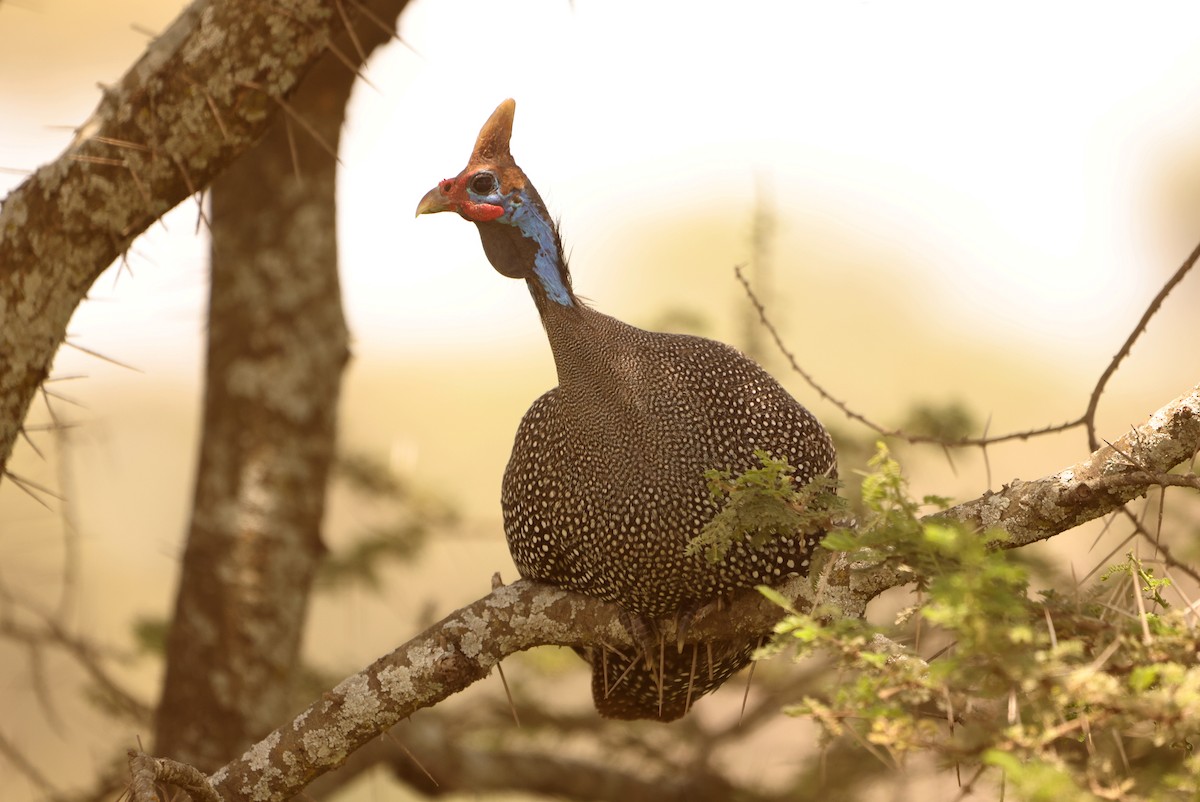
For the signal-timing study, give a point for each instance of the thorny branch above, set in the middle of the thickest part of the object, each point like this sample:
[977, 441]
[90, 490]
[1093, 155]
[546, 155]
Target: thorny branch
[173, 122]
[52, 634]
[1089, 416]
[1087, 419]
[463, 647]
[17, 758]
[1168, 556]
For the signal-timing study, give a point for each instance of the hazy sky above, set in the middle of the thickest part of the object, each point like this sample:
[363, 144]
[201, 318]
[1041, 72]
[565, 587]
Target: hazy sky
[1008, 162]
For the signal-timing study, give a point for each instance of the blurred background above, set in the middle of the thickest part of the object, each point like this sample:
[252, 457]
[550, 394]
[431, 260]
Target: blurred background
[940, 203]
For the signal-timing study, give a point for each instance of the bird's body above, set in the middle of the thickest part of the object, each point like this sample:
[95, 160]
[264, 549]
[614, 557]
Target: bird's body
[606, 484]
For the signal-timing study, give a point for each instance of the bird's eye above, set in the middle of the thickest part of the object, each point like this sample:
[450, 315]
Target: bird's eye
[483, 184]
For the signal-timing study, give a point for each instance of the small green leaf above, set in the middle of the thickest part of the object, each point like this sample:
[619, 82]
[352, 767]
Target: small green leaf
[776, 597]
[1143, 678]
[875, 659]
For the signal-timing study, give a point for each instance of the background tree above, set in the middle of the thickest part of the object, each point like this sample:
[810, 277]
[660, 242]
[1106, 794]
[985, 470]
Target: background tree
[277, 345]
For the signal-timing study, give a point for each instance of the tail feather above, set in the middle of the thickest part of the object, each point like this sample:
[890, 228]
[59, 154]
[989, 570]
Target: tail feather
[662, 687]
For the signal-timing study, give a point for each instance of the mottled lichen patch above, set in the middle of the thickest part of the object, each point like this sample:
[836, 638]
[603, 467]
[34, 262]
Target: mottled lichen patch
[359, 701]
[258, 757]
[265, 774]
[323, 745]
[472, 641]
[396, 682]
[993, 509]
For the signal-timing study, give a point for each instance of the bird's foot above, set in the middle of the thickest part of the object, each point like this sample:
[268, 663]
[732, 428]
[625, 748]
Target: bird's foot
[645, 634]
[683, 622]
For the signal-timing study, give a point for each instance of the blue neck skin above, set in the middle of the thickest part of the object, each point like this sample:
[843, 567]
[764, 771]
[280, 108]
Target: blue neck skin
[521, 212]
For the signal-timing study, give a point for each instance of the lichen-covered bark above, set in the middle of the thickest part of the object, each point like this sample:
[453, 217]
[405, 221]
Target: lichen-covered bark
[203, 92]
[463, 647]
[1037, 510]
[449, 656]
[277, 344]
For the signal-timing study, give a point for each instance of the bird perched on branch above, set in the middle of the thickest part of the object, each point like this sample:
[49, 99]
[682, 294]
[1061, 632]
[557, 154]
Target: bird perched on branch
[606, 484]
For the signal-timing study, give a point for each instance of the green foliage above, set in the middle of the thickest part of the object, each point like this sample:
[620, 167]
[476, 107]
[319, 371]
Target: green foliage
[889, 529]
[1062, 697]
[762, 503]
[361, 561]
[407, 520]
[1151, 586]
[150, 634]
[947, 422]
[403, 520]
[368, 475]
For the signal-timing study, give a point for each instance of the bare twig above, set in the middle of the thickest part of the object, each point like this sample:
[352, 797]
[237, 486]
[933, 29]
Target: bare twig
[1033, 511]
[149, 771]
[864, 420]
[88, 655]
[1089, 417]
[67, 222]
[1168, 557]
[22, 764]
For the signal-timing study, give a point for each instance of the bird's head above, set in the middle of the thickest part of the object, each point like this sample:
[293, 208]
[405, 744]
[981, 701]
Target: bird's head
[519, 237]
[486, 188]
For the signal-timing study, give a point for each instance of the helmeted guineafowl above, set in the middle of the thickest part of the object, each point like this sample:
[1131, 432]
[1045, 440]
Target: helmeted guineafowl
[606, 484]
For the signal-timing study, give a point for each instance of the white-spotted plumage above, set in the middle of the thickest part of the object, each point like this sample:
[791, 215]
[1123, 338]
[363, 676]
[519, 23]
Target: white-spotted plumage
[606, 487]
[606, 484]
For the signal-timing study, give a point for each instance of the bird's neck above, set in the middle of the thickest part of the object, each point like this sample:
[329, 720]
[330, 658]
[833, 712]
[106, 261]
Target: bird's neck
[524, 243]
[548, 277]
[591, 353]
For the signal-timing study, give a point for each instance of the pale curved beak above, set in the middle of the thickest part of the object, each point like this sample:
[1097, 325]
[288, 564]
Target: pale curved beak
[435, 200]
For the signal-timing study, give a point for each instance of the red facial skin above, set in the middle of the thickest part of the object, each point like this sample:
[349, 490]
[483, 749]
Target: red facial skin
[455, 190]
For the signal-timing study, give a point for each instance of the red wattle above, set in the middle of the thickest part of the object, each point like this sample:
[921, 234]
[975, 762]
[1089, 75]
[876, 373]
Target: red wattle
[481, 212]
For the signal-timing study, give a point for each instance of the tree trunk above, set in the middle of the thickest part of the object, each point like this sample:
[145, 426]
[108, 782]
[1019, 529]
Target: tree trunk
[276, 349]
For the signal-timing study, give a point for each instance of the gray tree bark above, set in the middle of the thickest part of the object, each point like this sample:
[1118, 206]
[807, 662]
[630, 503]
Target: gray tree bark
[277, 344]
[204, 91]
